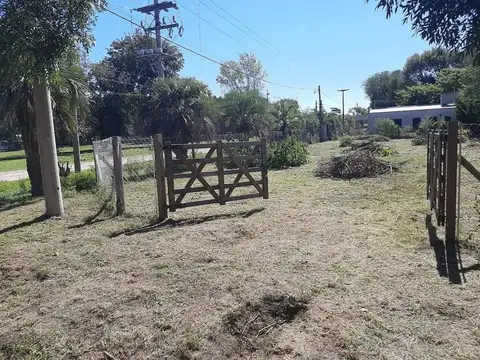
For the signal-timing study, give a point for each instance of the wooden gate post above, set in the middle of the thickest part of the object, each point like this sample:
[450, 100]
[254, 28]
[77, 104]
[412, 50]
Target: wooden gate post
[264, 167]
[451, 203]
[160, 177]
[118, 174]
[221, 172]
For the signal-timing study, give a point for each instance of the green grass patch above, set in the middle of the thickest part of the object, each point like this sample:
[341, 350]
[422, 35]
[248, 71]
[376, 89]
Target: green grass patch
[13, 192]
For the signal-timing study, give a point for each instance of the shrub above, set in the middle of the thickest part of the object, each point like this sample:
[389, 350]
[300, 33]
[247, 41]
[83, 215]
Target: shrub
[82, 181]
[138, 170]
[12, 192]
[346, 141]
[429, 124]
[388, 128]
[239, 151]
[374, 138]
[288, 153]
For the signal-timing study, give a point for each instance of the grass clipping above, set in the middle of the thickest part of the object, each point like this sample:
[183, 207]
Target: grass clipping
[361, 162]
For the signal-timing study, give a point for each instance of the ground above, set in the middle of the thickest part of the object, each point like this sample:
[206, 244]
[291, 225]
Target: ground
[215, 282]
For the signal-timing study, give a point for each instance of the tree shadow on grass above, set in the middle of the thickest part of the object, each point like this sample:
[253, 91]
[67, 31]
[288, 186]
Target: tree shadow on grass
[93, 219]
[185, 222]
[23, 224]
[13, 204]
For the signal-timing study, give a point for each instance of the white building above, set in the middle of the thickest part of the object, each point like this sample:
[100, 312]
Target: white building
[411, 116]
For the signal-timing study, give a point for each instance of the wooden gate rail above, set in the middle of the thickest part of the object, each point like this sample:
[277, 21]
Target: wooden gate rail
[221, 192]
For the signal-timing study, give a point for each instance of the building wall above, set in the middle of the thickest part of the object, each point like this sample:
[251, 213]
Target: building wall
[408, 116]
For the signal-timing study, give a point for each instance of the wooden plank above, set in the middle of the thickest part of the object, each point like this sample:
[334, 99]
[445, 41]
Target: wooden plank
[243, 143]
[196, 203]
[215, 173]
[470, 168]
[264, 154]
[243, 157]
[443, 178]
[118, 174]
[192, 178]
[196, 174]
[192, 146]
[236, 182]
[244, 170]
[238, 171]
[244, 197]
[451, 205]
[169, 172]
[215, 187]
[428, 164]
[195, 161]
[160, 177]
[220, 170]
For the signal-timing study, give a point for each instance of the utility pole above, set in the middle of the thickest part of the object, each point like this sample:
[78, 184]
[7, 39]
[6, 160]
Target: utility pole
[268, 95]
[323, 126]
[343, 108]
[155, 10]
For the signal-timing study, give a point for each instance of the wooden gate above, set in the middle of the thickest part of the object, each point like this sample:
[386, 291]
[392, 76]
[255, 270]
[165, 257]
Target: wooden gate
[436, 173]
[213, 163]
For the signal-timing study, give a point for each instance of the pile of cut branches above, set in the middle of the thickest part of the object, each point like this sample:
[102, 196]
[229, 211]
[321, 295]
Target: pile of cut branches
[359, 163]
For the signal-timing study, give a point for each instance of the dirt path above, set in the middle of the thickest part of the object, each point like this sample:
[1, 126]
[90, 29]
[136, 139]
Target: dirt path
[355, 252]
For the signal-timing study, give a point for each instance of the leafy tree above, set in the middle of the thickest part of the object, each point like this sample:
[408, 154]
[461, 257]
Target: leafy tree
[424, 68]
[178, 108]
[452, 24]
[246, 74]
[381, 88]
[118, 80]
[468, 102]
[450, 79]
[285, 112]
[245, 110]
[69, 93]
[36, 37]
[358, 110]
[428, 94]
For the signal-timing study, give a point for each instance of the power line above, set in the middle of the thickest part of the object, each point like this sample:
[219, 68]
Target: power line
[214, 26]
[213, 60]
[245, 26]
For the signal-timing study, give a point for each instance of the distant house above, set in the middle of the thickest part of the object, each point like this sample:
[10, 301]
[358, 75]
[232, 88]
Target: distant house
[411, 116]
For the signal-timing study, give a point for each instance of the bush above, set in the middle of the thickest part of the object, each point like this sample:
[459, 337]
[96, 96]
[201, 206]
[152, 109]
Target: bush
[388, 128]
[240, 151]
[374, 138]
[423, 128]
[138, 170]
[346, 141]
[13, 192]
[82, 181]
[288, 153]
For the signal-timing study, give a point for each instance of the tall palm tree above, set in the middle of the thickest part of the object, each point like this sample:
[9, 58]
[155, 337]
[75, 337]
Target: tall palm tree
[179, 109]
[284, 111]
[245, 110]
[69, 93]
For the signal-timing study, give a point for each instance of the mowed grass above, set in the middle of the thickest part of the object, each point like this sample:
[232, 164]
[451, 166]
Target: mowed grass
[355, 252]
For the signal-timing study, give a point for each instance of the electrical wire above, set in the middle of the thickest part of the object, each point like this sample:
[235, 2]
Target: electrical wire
[215, 27]
[213, 60]
[246, 27]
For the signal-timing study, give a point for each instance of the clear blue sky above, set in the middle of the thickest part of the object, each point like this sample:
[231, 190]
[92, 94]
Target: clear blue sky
[332, 43]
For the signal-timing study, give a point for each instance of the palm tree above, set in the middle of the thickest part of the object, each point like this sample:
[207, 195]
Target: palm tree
[179, 108]
[69, 93]
[245, 110]
[284, 111]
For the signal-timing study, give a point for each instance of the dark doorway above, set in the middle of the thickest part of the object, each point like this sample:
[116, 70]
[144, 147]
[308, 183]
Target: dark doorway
[416, 122]
[398, 122]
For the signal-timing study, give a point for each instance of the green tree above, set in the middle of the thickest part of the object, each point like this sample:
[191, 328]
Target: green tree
[358, 110]
[285, 112]
[428, 94]
[424, 68]
[452, 24]
[178, 108]
[246, 74]
[381, 87]
[36, 37]
[245, 110]
[468, 102]
[451, 79]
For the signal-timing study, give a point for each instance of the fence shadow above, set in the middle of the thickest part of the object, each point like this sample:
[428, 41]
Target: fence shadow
[438, 247]
[23, 224]
[185, 222]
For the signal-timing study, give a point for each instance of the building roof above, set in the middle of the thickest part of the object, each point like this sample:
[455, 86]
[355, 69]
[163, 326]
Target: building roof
[410, 108]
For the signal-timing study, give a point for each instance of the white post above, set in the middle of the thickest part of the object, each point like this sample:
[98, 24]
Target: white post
[48, 150]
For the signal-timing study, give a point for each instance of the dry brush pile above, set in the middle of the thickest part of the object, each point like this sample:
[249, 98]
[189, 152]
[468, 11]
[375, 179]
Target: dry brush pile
[360, 162]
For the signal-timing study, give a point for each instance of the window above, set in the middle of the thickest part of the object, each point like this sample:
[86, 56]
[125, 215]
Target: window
[398, 122]
[448, 118]
[416, 122]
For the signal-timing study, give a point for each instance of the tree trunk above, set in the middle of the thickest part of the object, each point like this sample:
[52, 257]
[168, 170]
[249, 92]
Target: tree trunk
[76, 146]
[28, 129]
[48, 152]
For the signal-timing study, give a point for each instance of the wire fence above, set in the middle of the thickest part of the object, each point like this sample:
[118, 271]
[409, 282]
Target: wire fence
[139, 190]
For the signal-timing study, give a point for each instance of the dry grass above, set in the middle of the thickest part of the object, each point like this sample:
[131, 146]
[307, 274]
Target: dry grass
[355, 252]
